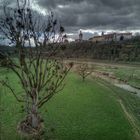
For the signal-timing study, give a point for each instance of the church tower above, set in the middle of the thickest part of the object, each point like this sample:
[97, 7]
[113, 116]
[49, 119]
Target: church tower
[80, 36]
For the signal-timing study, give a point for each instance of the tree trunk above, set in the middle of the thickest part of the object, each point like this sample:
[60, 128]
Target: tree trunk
[83, 79]
[35, 117]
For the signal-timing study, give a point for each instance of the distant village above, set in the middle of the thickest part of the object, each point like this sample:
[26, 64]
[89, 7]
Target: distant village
[111, 37]
[104, 37]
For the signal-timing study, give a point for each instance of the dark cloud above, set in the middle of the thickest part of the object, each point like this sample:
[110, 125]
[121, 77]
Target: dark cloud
[111, 14]
[95, 14]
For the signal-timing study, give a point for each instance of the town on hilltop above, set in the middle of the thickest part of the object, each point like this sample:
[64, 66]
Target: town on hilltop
[104, 37]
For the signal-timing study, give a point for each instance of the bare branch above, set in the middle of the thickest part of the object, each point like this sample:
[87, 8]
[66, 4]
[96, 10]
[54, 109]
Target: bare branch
[12, 91]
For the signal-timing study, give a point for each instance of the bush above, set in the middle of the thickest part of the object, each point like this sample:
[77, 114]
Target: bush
[124, 57]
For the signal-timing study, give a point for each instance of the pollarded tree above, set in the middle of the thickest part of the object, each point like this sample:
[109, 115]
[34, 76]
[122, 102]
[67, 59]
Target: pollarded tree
[37, 42]
[84, 70]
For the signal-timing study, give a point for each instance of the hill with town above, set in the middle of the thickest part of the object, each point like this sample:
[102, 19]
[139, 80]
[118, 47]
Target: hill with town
[112, 47]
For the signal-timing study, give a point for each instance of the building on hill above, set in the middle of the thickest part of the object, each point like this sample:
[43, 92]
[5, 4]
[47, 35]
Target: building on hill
[97, 39]
[123, 36]
[65, 39]
[111, 37]
[80, 36]
[80, 39]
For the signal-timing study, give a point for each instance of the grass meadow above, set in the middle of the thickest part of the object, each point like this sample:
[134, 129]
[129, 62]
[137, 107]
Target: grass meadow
[82, 111]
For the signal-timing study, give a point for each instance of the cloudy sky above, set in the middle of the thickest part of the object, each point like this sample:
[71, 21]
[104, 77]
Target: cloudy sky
[92, 16]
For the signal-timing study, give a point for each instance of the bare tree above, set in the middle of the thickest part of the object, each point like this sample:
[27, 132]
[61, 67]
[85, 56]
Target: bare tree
[41, 75]
[84, 71]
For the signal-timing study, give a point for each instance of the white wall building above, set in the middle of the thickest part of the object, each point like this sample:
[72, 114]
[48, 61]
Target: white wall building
[111, 37]
[123, 36]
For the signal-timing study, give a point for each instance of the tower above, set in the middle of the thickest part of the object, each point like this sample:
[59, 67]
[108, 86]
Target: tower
[80, 36]
[102, 33]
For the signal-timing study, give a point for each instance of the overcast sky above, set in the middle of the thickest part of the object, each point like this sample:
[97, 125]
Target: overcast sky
[92, 16]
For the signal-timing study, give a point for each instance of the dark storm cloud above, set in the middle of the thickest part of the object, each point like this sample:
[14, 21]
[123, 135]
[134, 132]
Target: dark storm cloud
[108, 14]
[94, 14]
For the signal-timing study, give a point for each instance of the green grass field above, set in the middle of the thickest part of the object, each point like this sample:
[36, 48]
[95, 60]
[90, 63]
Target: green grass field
[82, 111]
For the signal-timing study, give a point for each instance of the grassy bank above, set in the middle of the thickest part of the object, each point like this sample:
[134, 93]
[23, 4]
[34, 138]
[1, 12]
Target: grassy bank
[130, 101]
[128, 73]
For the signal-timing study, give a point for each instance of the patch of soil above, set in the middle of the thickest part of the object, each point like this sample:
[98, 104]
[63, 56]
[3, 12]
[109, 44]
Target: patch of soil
[26, 130]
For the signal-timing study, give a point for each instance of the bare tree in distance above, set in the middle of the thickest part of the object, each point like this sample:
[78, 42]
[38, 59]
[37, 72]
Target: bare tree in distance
[41, 75]
[84, 71]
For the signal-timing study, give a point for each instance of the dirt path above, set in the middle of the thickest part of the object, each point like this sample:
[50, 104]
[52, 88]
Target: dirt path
[92, 62]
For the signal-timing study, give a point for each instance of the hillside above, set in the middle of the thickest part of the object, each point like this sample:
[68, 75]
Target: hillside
[112, 51]
[126, 51]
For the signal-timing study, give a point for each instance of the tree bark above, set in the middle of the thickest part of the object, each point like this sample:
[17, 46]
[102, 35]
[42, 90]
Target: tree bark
[35, 117]
[83, 79]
